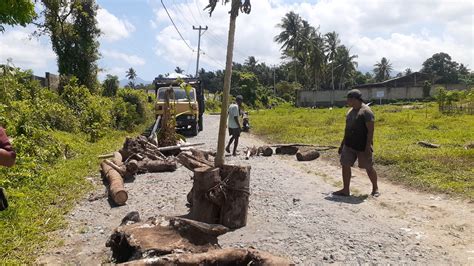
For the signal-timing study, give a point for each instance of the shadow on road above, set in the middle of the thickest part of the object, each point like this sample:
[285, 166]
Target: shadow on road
[350, 200]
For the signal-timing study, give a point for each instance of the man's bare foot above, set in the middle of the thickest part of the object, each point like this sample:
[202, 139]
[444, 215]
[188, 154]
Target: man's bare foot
[341, 192]
[227, 149]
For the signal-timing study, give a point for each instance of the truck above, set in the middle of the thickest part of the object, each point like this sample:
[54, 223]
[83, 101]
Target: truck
[190, 108]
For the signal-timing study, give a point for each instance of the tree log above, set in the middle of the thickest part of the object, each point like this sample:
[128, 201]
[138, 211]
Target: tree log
[192, 162]
[307, 155]
[288, 150]
[237, 191]
[226, 256]
[203, 209]
[266, 151]
[116, 190]
[156, 166]
[428, 145]
[251, 152]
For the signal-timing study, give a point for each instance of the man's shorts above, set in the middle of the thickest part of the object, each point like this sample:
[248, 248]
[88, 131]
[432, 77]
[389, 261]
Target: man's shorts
[349, 156]
[235, 132]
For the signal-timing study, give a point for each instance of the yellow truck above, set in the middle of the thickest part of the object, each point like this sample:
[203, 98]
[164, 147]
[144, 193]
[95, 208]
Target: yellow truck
[190, 109]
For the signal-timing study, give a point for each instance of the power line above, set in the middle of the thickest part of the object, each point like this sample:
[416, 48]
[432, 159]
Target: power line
[176, 27]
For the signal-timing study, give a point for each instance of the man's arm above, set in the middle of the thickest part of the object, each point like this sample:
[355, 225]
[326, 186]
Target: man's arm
[7, 158]
[7, 154]
[370, 134]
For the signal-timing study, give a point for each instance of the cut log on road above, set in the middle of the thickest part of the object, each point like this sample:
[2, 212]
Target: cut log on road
[287, 150]
[236, 181]
[428, 145]
[203, 209]
[116, 190]
[156, 166]
[227, 256]
[158, 236]
[307, 155]
[191, 162]
[266, 151]
[251, 152]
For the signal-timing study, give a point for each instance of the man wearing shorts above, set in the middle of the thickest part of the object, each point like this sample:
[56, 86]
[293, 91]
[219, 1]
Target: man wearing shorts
[357, 142]
[233, 124]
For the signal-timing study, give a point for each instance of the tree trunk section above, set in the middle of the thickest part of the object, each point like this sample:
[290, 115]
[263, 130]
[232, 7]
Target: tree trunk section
[235, 208]
[287, 150]
[204, 210]
[156, 166]
[191, 162]
[307, 155]
[219, 160]
[116, 190]
[267, 151]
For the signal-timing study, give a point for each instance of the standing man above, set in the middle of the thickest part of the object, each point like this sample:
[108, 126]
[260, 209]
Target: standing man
[7, 158]
[234, 124]
[357, 142]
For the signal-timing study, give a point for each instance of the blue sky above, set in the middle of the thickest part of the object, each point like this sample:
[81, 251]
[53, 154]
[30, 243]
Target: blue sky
[139, 34]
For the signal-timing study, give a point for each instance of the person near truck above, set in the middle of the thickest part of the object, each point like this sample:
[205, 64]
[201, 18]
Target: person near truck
[233, 123]
[357, 143]
[7, 158]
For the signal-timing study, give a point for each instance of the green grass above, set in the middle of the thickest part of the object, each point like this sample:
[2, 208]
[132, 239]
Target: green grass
[448, 169]
[38, 204]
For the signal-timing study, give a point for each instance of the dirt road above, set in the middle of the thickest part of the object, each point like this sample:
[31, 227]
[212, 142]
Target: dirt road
[292, 214]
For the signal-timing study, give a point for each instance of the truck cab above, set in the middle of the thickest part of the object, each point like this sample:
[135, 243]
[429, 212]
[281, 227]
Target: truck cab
[189, 108]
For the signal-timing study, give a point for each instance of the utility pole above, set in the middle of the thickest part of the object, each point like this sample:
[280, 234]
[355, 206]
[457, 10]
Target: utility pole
[199, 46]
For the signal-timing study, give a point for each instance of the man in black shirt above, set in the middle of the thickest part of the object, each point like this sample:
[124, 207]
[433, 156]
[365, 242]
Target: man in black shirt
[357, 142]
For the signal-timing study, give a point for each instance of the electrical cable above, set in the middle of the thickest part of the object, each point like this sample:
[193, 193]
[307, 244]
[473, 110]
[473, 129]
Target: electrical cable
[182, 38]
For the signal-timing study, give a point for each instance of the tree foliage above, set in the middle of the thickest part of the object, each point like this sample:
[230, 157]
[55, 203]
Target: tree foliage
[72, 27]
[443, 68]
[110, 85]
[382, 70]
[16, 12]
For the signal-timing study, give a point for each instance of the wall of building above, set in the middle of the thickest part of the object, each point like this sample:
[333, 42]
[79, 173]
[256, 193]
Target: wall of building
[323, 98]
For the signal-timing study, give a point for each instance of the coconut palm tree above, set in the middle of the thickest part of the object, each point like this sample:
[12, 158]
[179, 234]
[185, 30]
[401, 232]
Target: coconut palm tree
[346, 65]
[179, 70]
[291, 25]
[131, 75]
[382, 70]
[245, 7]
[332, 42]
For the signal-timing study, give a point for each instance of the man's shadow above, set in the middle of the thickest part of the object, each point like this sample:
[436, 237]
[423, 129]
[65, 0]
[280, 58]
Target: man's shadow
[347, 199]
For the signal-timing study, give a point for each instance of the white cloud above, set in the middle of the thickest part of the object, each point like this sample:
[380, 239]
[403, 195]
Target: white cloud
[130, 59]
[113, 28]
[26, 52]
[406, 32]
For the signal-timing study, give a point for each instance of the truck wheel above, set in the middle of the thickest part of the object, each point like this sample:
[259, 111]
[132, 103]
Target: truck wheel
[194, 129]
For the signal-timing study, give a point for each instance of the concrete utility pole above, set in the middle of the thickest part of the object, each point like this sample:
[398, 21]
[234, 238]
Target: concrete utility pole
[199, 46]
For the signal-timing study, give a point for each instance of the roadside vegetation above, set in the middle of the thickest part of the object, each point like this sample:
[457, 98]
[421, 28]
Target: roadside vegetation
[448, 169]
[57, 136]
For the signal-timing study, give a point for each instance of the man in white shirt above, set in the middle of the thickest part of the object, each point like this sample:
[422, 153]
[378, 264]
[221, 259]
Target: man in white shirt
[233, 124]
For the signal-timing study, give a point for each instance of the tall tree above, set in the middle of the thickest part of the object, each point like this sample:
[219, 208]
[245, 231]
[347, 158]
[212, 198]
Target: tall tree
[442, 67]
[382, 70]
[244, 7]
[290, 25]
[332, 42]
[73, 30]
[407, 71]
[346, 66]
[131, 75]
[16, 12]
[111, 85]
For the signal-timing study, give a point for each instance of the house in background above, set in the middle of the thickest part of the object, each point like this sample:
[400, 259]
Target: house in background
[410, 87]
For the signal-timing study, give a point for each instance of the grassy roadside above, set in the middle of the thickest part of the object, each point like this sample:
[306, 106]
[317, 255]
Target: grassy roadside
[449, 169]
[38, 205]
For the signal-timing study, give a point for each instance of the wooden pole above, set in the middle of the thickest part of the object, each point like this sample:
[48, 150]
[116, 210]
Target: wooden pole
[219, 160]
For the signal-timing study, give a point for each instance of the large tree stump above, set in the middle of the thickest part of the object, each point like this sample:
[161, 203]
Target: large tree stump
[307, 155]
[236, 180]
[116, 190]
[203, 209]
[156, 166]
